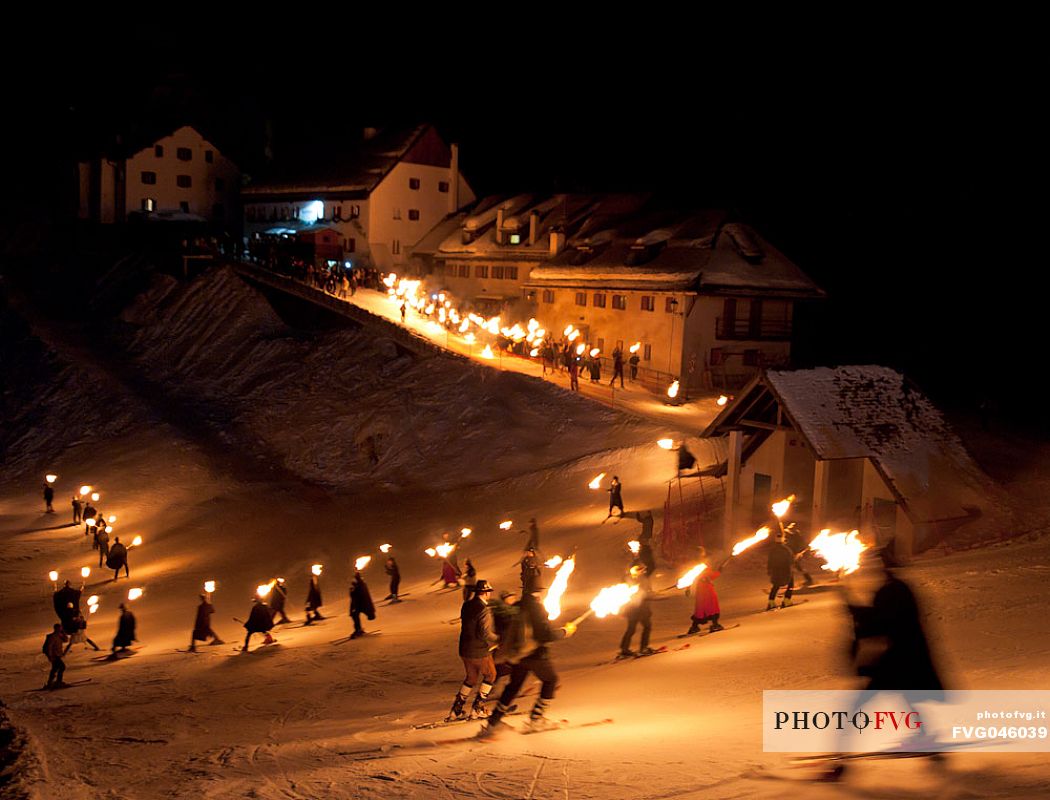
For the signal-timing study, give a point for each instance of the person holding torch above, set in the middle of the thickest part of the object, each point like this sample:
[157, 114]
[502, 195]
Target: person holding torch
[202, 624]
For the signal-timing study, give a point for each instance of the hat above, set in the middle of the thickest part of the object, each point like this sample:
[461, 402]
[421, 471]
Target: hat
[482, 586]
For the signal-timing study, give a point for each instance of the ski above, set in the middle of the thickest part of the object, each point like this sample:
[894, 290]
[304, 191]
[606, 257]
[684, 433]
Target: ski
[63, 685]
[345, 639]
[444, 723]
[564, 724]
[708, 632]
[793, 604]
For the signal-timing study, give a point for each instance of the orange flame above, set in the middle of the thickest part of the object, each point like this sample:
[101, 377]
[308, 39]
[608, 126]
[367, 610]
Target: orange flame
[672, 390]
[840, 551]
[760, 536]
[362, 562]
[553, 562]
[430, 551]
[722, 400]
[136, 541]
[487, 352]
[597, 482]
[666, 444]
[95, 496]
[263, 589]
[50, 478]
[134, 594]
[84, 490]
[634, 348]
[634, 546]
[552, 602]
[443, 550]
[52, 575]
[316, 569]
[85, 572]
[209, 586]
[780, 508]
[465, 532]
[505, 525]
[384, 548]
[612, 598]
[690, 577]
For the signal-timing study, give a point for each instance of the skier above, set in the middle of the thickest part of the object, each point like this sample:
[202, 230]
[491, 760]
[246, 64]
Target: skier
[360, 603]
[49, 496]
[595, 366]
[260, 620]
[615, 496]
[278, 597]
[645, 540]
[469, 579]
[313, 601]
[526, 650]
[530, 571]
[449, 574]
[778, 565]
[67, 606]
[617, 367]
[533, 542]
[117, 558]
[634, 361]
[574, 374]
[404, 307]
[503, 611]
[125, 632]
[54, 643]
[79, 625]
[77, 508]
[202, 625]
[477, 640]
[90, 512]
[706, 608]
[395, 579]
[101, 540]
[799, 547]
[638, 611]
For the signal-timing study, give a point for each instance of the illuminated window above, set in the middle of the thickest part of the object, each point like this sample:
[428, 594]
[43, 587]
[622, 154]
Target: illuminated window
[581, 298]
[183, 181]
[184, 154]
[209, 156]
[158, 150]
[515, 238]
[481, 271]
[149, 178]
[397, 213]
[619, 302]
[548, 296]
[647, 352]
[413, 183]
[149, 204]
[443, 186]
[648, 302]
[598, 301]
[413, 214]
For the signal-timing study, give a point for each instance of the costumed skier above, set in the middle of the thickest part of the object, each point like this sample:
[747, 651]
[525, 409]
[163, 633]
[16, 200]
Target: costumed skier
[54, 649]
[778, 565]
[202, 624]
[278, 598]
[260, 620]
[360, 603]
[117, 558]
[615, 495]
[706, 608]
[638, 612]
[395, 579]
[313, 599]
[125, 632]
[477, 640]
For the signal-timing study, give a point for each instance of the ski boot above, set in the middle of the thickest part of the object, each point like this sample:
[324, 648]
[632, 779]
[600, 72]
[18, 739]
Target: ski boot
[786, 602]
[492, 730]
[216, 641]
[646, 651]
[625, 654]
[771, 605]
[457, 711]
[540, 724]
[478, 710]
[715, 627]
[357, 634]
[694, 628]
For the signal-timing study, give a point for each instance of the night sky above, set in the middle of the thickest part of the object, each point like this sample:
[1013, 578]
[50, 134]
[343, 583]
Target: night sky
[896, 173]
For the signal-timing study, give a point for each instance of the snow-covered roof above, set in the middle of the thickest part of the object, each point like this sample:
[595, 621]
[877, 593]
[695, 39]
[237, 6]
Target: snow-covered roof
[876, 413]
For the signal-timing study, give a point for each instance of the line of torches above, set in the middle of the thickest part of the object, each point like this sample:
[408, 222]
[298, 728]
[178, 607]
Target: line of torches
[446, 318]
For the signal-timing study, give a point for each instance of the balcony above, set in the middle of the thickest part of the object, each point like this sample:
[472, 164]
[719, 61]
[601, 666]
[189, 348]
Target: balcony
[766, 330]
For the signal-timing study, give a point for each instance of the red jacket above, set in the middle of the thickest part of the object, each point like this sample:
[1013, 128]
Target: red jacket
[706, 596]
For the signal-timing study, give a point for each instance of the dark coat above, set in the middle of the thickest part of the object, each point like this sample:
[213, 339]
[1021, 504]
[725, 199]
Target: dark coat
[361, 598]
[125, 630]
[278, 596]
[118, 556]
[393, 570]
[476, 633]
[778, 563]
[313, 596]
[62, 598]
[898, 655]
[260, 620]
[202, 625]
[530, 632]
[615, 495]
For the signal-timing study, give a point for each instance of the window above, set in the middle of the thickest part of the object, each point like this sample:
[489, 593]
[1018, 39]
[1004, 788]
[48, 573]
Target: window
[648, 302]
[349, 245]
[149, 178]
[149, 204]
[220, 185]
[397, 213]
[464, 270]
[184, 154]
[581, 298]
[481, 271]
[548, 296]
[183, 181]
[619, 302]
[752, 358]
[598, 301]
[498, 272]
[413, 214]
[209, 156]
[184, 206]
[647, 352]
[395, 247]
[338, 213]
[443, 186]
[158, 150]
[413, 183]
[515, 238]
[670, 304]
[511, 273]
[355, 211]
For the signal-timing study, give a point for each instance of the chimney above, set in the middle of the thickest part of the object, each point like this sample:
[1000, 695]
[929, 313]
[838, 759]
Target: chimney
[534, 226]
[453, 181]
[557, 242]
[369, 133]
[499, 226]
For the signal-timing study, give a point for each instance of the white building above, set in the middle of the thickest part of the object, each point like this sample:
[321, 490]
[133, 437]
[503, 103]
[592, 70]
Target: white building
[381, 199]
[180, 175]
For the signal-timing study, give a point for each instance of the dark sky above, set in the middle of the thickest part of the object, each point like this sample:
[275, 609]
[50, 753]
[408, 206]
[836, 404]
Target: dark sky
[897, 171]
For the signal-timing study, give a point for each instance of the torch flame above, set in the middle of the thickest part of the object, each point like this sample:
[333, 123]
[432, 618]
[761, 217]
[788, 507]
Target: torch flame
[136, 541]
[50, 478]
[672, 390]
[85, 572]
[112, 517]
[84, 490]
[95, 496]
[92, 608]
[465, 532]
[263, 589]
[443, 550]
[384, 548]
[93, 600]
[574, 336]
[90, 522]
[209, 586]
[690, 577]
[134, 594]
[841, 551]
[580, 348]
[52, 575]
[362, 562]
[634, 546]
[552, 602]
[722, 400]
[430, 551]
[568, 330]
[553, 562]
[316, 569]
[760, 536]
[534, 352]
[505, 525]
[594, 352]
[612, 598]
[487, 352]
[597, 482]
[109, 529]
[634, 348]
[666, 444]
[781, 507]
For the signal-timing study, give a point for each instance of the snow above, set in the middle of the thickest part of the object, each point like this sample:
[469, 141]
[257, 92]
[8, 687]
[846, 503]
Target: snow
[311, 719]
